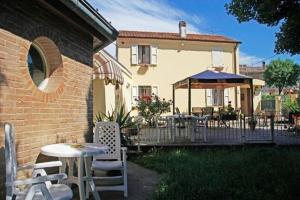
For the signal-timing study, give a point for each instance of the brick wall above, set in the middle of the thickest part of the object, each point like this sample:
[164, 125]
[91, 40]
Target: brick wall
[42, 118]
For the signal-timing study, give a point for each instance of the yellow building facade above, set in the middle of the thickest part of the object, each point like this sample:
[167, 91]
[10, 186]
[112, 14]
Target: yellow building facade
[158, 60]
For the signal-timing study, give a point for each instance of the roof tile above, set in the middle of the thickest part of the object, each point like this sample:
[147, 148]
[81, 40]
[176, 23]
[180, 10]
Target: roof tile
[175, 36]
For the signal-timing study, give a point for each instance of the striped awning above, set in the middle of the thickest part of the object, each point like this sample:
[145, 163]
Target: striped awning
[107, 70]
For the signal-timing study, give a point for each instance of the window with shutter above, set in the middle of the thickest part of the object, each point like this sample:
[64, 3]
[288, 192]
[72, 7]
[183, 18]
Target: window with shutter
[134, 55]
[208, 97]
[217, 97]
[153, 59]
[217, 57]
[226, 96]
[142, 92]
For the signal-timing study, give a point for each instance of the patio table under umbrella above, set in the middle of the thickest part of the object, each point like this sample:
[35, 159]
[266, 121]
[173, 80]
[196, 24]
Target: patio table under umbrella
[209, 79]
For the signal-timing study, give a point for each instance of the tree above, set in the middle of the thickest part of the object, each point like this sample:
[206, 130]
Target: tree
[285, 13]
[281, 74]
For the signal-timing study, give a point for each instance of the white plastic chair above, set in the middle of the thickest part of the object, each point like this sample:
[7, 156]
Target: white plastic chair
[37, 187]
[162, 126]
[108, 133]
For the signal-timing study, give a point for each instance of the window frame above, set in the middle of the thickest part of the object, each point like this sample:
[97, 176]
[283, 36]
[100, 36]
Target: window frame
[46, 68]
[136, 89]
[217, 51]
[145, 88]
[219, 94]
[52, 87]
[141, 60]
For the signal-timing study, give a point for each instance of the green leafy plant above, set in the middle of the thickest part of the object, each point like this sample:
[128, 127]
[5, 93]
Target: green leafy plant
[151, 107]
[267, 97]
[290, 106]
[122, 117]
[282, 14]
[118, 115]
[228, 113]
[298, 100]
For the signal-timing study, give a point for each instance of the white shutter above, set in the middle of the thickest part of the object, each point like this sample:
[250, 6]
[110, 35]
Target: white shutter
[208, 97]
[134, 55]
[153, 58]
[217, 57]
[226, 96]
[134, 94]
[154, 90]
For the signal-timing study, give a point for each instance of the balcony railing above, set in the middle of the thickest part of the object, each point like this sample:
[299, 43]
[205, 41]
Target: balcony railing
[276, 129]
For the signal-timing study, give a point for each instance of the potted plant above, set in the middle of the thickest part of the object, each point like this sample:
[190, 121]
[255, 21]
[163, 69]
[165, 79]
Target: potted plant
[228, 113]
[252, 123]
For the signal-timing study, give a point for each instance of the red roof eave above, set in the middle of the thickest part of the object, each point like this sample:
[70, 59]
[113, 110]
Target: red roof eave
[175, 36]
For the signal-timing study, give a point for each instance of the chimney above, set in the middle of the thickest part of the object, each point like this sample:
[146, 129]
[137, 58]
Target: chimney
[263, 64]
[182, 29]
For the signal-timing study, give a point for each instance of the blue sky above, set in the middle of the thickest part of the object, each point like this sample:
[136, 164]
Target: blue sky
[202, 16]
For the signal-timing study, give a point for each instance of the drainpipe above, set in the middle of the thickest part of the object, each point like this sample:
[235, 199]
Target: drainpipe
[189, 97]
[235, 71]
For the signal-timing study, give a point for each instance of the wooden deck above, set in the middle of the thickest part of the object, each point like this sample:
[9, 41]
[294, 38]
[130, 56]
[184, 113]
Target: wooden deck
[235, 134]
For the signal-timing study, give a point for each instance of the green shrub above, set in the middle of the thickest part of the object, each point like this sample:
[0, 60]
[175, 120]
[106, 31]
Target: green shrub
[290, 106]
[120, 116]
[267, 97]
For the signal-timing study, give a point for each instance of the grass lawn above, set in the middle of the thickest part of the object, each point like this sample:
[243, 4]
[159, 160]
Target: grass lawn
[248, 173]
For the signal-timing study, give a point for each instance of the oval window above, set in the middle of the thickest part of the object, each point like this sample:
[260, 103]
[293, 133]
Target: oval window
[37, 65]
[45, 65]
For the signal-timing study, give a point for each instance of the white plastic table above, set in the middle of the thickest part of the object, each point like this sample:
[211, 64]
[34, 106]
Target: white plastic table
[81, 153]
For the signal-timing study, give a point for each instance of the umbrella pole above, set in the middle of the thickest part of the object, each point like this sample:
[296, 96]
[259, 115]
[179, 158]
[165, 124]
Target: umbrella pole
[173, 98]
[189, 97]
[223, 98]
[251, 92]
